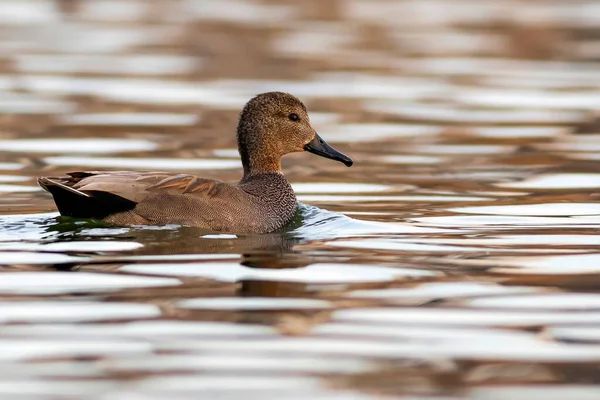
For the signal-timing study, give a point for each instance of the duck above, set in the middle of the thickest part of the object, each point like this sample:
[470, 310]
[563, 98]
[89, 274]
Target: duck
[270, 125]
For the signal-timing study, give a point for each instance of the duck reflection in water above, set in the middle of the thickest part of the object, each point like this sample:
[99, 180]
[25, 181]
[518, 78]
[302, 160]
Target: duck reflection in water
[261, 251]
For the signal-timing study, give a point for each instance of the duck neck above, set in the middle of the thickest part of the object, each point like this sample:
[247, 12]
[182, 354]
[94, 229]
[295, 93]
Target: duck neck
[261, 165]
[257, 156]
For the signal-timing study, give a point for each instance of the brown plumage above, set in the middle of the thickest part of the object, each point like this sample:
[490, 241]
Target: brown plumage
[271, 125]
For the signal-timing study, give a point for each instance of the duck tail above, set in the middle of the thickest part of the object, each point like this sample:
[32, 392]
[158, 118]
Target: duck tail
[69, 201]
[83, 204]
[52, 185]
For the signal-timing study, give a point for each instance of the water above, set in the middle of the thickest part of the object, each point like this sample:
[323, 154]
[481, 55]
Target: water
[458, 258]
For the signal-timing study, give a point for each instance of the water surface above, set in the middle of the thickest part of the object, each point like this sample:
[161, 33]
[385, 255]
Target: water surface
[458, 258]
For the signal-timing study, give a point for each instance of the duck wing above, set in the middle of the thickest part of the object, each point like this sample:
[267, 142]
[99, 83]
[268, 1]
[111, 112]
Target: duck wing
[100, 194]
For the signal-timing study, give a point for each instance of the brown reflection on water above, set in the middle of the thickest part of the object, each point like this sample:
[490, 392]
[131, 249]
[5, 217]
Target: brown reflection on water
[458, 258]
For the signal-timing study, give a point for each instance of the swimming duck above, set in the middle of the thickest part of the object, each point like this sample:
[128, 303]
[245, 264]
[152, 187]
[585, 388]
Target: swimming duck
[270, 126]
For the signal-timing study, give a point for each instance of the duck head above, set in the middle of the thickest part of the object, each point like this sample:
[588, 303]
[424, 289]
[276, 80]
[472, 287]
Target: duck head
[274, 124]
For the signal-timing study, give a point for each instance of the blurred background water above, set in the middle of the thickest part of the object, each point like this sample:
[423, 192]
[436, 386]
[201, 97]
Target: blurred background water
[459, 257]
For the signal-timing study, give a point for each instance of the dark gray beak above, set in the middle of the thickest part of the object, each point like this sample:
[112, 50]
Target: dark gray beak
[319, 147]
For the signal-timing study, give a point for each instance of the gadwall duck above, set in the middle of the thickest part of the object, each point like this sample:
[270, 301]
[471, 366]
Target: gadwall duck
[270, 126]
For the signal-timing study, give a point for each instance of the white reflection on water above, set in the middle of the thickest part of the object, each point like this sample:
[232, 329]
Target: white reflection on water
[401, 245]
[50, 386]
[553, 301]
[315, 273]
[37, 282]
[441, 290]
[518, 131]
[18, 188]
[452, 114]
[34, 258]
[135, 90]
[462, 149]
[152, 164]
[12, 178]
[559, 265]
[320, 40]
[334, 187]
[347, 85]
[237, 11]
[137, 64]
[409, 159]
[348, 133]
[537, 392]
[517, 347]
[523, 240]
[113, 10]
[66, 37]
[421, 199]
[19, 103]
[75, 246]
[227, 362]
[574, 333]
[130, 119]
[15, 349]
[153, 329]
[13, 12]
[465, 317]
[253, 303]
[509, 221]
[548, 209]
[10, 166]
[76, 145]
[231, 384]
[583, 100]
[65, 311]
[557, 181]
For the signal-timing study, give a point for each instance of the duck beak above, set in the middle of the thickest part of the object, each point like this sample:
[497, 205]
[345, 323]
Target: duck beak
[319, 147]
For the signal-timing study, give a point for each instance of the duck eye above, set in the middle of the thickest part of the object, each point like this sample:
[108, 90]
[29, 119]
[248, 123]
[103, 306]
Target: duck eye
[294, 117]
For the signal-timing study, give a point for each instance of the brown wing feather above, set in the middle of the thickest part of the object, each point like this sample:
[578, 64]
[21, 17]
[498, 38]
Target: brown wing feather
[187, 184]
[138, 186]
